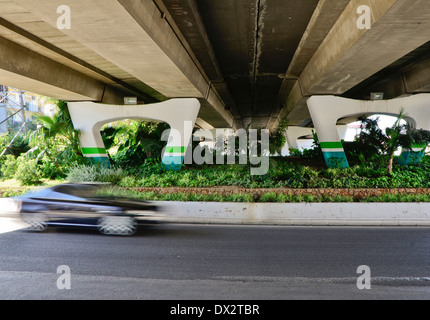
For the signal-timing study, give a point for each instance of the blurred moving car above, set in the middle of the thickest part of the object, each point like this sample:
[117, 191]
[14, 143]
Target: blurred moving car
[84, 205]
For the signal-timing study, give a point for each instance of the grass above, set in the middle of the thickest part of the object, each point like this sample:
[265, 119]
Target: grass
[399, 198]
[13, 188]
[13, 183]
[282, 175]
[268, 197]
[180, 196]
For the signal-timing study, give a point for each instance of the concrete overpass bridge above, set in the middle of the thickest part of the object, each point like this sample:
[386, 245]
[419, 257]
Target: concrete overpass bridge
[250, 63]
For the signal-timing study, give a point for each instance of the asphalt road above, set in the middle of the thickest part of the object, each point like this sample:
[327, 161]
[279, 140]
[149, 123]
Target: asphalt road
[217, 262]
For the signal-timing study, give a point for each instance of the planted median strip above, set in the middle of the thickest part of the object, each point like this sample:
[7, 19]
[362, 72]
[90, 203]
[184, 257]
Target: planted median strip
[285, 182]
[281, 195]
[263, 195]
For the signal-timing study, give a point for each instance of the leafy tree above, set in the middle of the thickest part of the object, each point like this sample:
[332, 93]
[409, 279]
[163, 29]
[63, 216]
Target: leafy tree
[378, 145]
[56, 130]
[370, 143]
[415, 136]
[148, 137]
[135, 141]
[55, 144]
[277, 138]
[54, 148]
[314, 153]
[15, 147]
[394, 140]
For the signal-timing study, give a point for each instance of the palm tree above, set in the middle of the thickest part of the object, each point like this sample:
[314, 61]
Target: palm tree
[57, 129]
[393, 141]
[374, 141]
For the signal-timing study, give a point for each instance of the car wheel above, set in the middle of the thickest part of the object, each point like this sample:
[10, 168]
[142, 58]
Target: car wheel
[117, 225]
[35, 221]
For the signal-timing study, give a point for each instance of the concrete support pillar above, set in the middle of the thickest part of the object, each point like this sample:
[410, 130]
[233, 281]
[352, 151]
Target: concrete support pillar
[324, 117]
[293, 133]
[326, 110]
[412, 156]
[342, 130]
[180, 114]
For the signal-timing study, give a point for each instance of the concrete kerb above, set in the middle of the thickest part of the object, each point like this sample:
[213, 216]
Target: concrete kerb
[298, 214]
[292, 214]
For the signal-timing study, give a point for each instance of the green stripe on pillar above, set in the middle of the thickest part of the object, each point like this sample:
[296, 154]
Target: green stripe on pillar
[175, 149]
[334, 155]
[93, 150]
[331, 145]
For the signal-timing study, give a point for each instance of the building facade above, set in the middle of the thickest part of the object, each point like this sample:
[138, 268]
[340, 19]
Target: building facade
[17, 108]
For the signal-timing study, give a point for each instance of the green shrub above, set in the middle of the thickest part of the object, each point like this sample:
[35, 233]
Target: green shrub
[270, 197]
[9, 167]
[81, 173]
[399, 198]
[13, 193]
[128, 181]
[95, 173]
[109, 175]
[50, 169]
[27, 172]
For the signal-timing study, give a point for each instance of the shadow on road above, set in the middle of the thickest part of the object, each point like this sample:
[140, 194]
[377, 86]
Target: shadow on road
[155, 230]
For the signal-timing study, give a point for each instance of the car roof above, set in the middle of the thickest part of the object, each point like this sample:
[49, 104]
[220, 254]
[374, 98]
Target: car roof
[78, 190]
[67, 190]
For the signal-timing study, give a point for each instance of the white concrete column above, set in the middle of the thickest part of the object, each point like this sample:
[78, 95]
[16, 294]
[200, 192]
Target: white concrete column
[293, 133]
[324, 116]
[180, 114]
[326, 110]
[341, 130]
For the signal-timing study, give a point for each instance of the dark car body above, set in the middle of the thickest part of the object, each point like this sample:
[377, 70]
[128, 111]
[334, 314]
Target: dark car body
[81, 205]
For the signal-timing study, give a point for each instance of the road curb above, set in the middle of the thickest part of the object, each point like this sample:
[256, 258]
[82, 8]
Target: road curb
[303, 214]
[294, 214]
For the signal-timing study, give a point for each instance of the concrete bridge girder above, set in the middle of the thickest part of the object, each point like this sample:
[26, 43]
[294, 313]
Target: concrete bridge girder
[140, 40]
[348, 55]
[131, 37]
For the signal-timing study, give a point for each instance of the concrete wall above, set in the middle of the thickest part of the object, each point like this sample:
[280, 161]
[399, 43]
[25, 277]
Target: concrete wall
[307, 214]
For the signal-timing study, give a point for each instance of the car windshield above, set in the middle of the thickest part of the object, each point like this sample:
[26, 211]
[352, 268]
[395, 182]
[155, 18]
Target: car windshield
[75, 192]
[79, 191]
